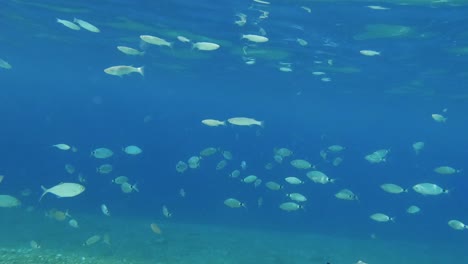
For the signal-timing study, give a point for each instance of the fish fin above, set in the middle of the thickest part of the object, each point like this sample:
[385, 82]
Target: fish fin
[141, 70]
[135, 187]
[44, 193]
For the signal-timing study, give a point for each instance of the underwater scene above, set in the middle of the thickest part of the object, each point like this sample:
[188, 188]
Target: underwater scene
[226, 132]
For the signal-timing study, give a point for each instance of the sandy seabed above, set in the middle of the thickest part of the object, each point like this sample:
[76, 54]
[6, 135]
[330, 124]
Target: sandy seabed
[133, 242]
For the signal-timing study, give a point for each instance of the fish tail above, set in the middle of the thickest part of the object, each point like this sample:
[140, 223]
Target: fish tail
[44, 193]
[141, 70]
[135, 187]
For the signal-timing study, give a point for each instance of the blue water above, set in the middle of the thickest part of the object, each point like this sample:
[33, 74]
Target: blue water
[57, 92]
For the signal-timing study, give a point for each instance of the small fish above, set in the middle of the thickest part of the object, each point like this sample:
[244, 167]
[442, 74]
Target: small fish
[446, 170]
[155, 228]
[227, 154]
[290, 206]
[249, 179]
[155, 40]
[301, 164]
[376, 7]
[68, 24]
[379, 217]
[278, 158]
[120, 179]
[205, 46]
[73, 223]
[307, 9]
[429, 189]
[293, 180]
[337, 161]
[213, 122]
[92, 240]
[245, 121]
[242, 19]
[86, 25]
[129, 188]
[346, 194]
[221, 165]
[183, 39]
[457, 225]
[255, 38]
[34, 244]
[121, 70]
[297, 197]
[235, 174]
[5, 65]
[392, 188]
[132, 150]
[130, 51]
[285, 68]
[262, 2]
[81, 178]
[105, 210]
[257, 182]
[105, 169]
[102, 153]
[26, 192]
[64, 189]
[166, 212]
[369, 53]
[319, 177]
[274, 186]
[8, 201]
[243, 164]
[58, 215]
[318, 73]
[374, 158]
[418, 146]
[234, 203]
[413, 209]
[283, 152]
[182, 193]
[62, 146]
[301, 42]
[439, 118]
[194, 162]
[70, 169]
[269, 166]
[181, 166]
